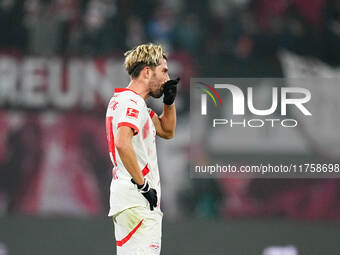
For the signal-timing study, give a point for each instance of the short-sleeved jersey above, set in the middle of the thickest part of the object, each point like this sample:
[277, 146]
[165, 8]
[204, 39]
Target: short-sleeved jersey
[127, 108]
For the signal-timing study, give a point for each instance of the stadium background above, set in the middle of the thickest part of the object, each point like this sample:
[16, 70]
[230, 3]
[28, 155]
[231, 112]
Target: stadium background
[59, 63]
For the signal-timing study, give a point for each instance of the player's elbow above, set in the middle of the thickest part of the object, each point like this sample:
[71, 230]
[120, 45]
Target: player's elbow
[169, 134]
[123, 139]
[122, 144]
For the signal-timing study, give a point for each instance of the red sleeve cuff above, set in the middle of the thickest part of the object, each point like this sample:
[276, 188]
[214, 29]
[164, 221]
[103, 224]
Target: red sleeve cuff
[152, 113]
[128, 124]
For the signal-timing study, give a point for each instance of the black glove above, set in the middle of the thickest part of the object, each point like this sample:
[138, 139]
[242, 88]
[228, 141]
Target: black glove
[149, 193]
[170, 90]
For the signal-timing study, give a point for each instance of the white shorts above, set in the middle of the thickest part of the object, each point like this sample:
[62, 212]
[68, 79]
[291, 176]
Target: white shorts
[138, 231]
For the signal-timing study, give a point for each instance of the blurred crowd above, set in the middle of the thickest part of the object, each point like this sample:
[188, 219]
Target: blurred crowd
[233, 38]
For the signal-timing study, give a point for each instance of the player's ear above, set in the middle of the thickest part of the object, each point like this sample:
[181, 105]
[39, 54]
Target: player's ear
[146, 72]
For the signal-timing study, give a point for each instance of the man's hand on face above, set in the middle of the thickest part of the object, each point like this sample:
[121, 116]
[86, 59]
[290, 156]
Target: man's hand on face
[170, 91]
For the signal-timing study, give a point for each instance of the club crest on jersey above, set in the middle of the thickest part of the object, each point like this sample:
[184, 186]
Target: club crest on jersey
[132, 113]
[113, 105]
[155, 247]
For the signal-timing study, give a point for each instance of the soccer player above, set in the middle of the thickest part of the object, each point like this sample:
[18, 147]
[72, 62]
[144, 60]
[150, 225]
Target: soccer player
[131, 128]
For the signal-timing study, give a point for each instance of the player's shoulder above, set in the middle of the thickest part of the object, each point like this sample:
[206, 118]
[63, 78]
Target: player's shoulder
[128, 96]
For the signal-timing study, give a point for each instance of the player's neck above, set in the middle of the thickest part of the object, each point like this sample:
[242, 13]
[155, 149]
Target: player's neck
[139, 88]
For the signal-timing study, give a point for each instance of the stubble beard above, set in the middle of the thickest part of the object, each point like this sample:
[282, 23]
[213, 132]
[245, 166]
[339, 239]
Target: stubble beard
[156, 94]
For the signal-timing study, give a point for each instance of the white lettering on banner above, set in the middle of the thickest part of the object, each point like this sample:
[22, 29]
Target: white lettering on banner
[95, 84]
[63, 98]
[40, 82]
[33, 72]
[8, 80]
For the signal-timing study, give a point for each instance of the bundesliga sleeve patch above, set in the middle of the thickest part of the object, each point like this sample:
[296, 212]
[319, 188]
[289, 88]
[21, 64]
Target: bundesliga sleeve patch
[133, 113]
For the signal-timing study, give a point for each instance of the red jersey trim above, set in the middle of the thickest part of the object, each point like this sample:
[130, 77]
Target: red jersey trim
[128, 124]
[118, 90]
[127, 238]
[152, 113]
[145, 170]
[111, 139]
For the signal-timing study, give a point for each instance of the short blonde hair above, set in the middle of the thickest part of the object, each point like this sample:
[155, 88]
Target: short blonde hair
[141, 56]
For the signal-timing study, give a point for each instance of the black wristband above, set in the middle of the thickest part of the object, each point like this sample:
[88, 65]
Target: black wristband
[142, 188]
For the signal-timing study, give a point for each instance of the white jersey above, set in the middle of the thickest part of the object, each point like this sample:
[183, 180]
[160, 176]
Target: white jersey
[127, 108]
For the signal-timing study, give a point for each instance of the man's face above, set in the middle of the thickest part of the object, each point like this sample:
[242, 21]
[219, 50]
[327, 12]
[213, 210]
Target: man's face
[159, 77]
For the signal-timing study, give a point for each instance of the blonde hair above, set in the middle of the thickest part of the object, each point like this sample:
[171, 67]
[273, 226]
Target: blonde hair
[141, 56]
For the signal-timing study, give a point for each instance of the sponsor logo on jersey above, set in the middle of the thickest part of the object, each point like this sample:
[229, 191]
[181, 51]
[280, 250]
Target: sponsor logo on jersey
[133, 113]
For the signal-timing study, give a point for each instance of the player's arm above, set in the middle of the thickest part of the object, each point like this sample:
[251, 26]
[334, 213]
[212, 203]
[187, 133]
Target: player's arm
[165, 124]
[129, 159]
[127, 153]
